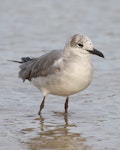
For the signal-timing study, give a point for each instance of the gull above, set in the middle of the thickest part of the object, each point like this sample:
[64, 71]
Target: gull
[61, 72]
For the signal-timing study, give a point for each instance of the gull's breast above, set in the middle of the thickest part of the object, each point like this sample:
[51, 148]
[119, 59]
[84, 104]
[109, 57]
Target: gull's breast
[73, 80]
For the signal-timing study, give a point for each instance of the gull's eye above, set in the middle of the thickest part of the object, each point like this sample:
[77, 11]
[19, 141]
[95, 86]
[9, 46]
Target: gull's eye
[80, 45]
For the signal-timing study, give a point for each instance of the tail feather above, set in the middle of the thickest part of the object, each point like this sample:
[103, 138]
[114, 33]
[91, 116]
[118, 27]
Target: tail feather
[15, 61]
[25, 68]
[23, 60]
[26, 59]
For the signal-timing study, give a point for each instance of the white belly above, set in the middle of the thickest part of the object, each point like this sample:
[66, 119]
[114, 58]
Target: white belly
[67, 82]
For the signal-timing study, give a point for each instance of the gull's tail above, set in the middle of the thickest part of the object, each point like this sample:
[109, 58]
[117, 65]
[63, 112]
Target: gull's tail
[23, 60]
[25, 67]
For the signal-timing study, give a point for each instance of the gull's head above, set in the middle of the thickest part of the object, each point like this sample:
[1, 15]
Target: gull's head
[82, 45]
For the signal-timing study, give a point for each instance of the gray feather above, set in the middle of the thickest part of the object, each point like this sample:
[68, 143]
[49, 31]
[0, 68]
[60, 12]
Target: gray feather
[41, 66]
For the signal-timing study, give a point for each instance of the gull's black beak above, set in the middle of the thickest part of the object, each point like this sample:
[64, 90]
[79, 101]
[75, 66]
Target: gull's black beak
[96, 52]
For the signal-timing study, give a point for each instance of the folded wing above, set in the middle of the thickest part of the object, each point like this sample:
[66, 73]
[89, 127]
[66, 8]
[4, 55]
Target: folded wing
[42, 66]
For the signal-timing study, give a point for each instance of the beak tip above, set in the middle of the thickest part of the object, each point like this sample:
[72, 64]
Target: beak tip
[102, 55]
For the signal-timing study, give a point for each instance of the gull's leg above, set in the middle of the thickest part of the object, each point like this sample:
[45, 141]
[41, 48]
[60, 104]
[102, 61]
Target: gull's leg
[66, 104]
[41, 106]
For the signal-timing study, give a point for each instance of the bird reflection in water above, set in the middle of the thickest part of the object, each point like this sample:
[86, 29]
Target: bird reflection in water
[52, 136]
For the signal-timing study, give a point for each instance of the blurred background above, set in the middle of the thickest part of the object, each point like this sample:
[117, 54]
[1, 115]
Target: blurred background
[33, 27]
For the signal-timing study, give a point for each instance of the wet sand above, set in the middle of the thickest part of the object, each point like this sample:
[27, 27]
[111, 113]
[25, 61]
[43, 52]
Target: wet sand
[31, 28]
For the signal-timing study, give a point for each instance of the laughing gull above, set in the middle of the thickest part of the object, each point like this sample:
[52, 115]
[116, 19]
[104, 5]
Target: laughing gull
[61, 72]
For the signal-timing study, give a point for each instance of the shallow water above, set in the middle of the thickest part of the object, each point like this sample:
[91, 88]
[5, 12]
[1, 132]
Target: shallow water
[31, 28]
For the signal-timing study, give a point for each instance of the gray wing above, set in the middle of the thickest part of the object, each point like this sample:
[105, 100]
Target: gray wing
[41, 66]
